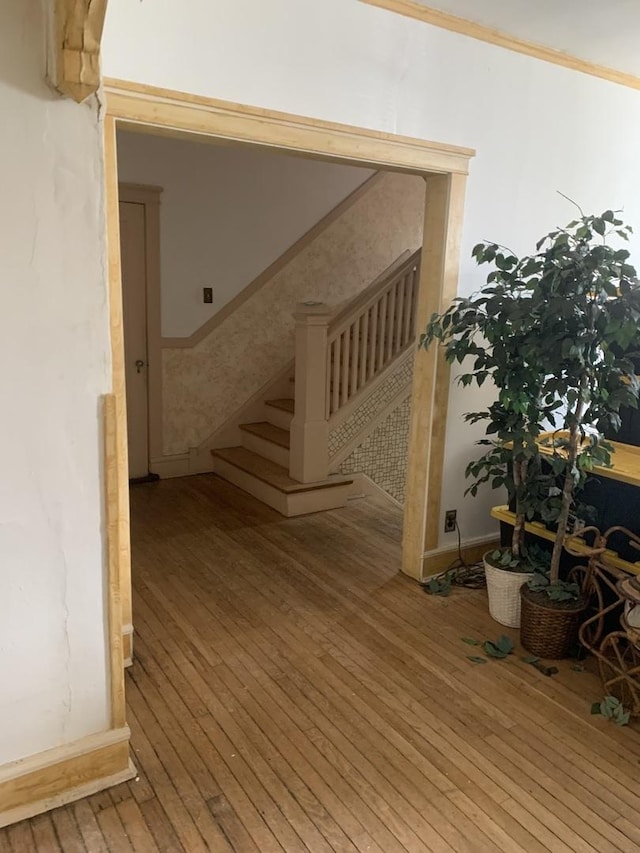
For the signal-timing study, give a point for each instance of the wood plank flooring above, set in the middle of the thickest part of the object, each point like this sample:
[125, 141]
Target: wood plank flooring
[292, 692]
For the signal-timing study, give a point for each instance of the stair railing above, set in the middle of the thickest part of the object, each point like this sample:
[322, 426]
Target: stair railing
[340, 355]
[371, 333]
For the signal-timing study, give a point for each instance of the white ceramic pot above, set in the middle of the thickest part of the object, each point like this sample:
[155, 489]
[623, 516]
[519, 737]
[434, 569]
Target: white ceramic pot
[503, 588]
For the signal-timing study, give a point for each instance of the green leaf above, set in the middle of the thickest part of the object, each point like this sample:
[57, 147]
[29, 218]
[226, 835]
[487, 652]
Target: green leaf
[530, 659]
[439, 586]
[612, 709]
[505, 644]
[470, 642]
[546, 670]
[492, 650]
[577, 667]
[476, 659]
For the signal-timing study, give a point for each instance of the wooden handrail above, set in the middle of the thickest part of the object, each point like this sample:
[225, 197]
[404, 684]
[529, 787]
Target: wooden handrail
[369, 295]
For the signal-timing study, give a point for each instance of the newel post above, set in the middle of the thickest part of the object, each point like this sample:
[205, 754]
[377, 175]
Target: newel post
[309, 453]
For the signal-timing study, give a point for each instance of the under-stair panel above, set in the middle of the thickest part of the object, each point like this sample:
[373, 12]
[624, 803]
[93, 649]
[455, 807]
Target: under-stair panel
[267, 440]
[271, 483]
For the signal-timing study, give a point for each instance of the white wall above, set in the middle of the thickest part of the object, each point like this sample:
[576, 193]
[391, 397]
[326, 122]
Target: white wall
[226, 214]
[206, 385]
[604, 33]
[537, 128]
[54, 364]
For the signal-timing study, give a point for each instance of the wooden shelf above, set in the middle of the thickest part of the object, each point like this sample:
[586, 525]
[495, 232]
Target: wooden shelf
[503, 513]
[625, 461]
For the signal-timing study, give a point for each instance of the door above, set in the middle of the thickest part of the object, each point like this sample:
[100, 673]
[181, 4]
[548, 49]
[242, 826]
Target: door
[134, 304]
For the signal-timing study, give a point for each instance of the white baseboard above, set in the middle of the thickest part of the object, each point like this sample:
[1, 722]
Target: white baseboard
[195, 461]
[170, 466]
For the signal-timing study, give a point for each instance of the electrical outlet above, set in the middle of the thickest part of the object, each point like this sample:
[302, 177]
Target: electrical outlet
[450, 520]
[207, 294]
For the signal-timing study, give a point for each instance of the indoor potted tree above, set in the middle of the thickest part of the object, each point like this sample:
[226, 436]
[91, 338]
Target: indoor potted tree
[585, 297]
[493, 334]
[552, 331]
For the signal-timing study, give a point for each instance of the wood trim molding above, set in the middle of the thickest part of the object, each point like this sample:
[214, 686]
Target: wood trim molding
[64, 774]
[172, 466]
[472, 29]
[440, 559]
[152, 110]
[119, 537]
[438, 286]
[139, 193]
[149, 197]
[266, 275]
[449, 248]
[74, 55]
[140, 107]
[111, 426]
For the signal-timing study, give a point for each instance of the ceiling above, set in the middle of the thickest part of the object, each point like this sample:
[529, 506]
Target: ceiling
[606, 32]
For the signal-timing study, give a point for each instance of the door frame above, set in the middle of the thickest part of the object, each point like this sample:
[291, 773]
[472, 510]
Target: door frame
[150, 197]
[149, 109]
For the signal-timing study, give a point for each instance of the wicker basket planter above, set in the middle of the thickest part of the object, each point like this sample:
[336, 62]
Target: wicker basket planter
[549, 629]
[503, 588]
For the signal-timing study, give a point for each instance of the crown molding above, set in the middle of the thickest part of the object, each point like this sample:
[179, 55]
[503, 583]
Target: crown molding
[465, 27]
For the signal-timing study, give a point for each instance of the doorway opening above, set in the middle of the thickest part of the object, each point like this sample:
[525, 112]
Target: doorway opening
[444, 169]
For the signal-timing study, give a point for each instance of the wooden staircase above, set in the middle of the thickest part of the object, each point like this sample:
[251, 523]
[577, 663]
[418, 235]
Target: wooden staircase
[283, 459]
[260, 466]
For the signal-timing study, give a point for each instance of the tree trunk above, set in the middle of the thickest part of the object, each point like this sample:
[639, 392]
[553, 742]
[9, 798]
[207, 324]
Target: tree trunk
[517, 537]
[567, 497]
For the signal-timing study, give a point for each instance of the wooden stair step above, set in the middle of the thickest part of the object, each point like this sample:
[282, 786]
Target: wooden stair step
[271, 473]
[286, 404]
[269, 432]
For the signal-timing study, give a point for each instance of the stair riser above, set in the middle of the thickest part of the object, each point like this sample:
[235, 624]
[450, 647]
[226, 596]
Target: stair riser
[277, 454]
[278, 417]
[245, 481]
[319, 500]
[300, 503]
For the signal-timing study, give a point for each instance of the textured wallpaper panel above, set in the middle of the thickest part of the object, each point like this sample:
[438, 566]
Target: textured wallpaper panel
[373, 404]
[382, 456]
[204, 385]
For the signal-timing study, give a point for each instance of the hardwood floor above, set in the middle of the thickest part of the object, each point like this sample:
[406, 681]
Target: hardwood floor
[292, 692]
